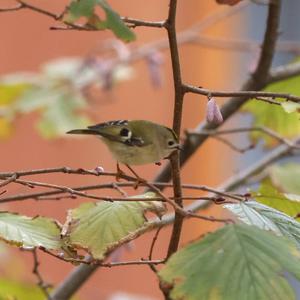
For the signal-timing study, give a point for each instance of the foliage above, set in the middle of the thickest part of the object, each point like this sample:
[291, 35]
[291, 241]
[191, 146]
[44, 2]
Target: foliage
[100, 227]
[239, 261]
[57, 93]
[86, 8]
[269, 195]
[267, 218]
[29, 232]
[283, 119]
[235, 262]
[286, 177]
[10, 290]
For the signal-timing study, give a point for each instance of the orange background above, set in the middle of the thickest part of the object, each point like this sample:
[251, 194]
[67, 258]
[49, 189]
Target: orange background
[26, 43]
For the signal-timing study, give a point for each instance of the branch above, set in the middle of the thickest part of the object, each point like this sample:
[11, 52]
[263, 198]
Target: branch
[247, 94]
[81, 273]
[41, 283]
[284, 72]
[238, 179]
[262, 129]
[62, 189]
[94, 262]
[136, 22]
[256, 82]
[177, 118]
[9, 9]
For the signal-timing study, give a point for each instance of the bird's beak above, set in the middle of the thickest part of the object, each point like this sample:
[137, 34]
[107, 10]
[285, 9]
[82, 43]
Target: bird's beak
[83, 131]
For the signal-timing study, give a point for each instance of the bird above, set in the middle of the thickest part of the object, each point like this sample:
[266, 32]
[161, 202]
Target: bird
[134, 142]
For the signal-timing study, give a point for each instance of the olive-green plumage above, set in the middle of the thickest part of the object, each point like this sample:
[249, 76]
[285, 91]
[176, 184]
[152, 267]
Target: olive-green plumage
[135, 142]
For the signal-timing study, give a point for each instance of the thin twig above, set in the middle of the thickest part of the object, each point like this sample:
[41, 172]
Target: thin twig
[78, 190]
[8, 181]
[265, 130]
[9, 9]
[137, 22]
[232, 146]
[41, 283]
[177, 119]
[248, 94]
[101, 263]
[152, 267]
[259, 80]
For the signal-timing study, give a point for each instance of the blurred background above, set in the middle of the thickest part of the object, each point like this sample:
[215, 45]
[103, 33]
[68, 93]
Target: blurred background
[142, 89]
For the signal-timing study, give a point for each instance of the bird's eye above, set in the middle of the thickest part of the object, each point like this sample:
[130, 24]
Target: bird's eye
[125, 132]
[171, 143]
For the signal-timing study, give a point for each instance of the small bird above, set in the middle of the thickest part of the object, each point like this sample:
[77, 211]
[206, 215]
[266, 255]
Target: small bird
[135, 142]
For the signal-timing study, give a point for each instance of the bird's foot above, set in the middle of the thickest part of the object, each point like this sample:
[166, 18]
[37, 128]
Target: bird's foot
[120, 173]
[139, 180]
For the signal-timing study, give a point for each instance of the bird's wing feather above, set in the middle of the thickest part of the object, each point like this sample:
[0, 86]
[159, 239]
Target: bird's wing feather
[111, 131]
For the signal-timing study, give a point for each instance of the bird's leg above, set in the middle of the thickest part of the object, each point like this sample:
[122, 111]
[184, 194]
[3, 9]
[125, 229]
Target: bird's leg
[120, 173]
[139, 180]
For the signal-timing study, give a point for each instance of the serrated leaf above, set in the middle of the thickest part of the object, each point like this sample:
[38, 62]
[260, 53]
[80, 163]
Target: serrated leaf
[100, 227]
[81, 8]
[286, 177]
[269, 195]
[114, 22]
[237, 262]
[86, 8]
[274, 116]
[29, 232]
[267, 218]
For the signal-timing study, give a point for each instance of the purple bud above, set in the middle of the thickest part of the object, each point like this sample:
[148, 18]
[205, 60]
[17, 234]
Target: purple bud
[213, 113]
[99, 170]
[154, 62]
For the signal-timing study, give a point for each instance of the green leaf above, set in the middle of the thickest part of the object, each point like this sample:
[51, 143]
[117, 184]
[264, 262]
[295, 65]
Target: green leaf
[10, 92]
[11, 290]
[275, 117]
[81, 8]
[269, 195]
[237, 262]
[100, 227]
[86, 8]
[30, 232]
[286, 177]
[60, 117]
[114, 22]
[267, 218]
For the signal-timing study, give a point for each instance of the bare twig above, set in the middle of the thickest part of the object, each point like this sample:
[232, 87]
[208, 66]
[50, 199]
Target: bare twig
[8, 181]
[8, 9]
[259, 79]
[95, 262]
[41, 283]
[83, 272]
[265, 130]
[137, 22]
[177, 118]
[232, 146]
[152, 267]
[62, 189]
[247, 94]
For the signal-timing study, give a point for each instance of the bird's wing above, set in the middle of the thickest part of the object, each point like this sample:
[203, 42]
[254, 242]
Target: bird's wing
[112, 130]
